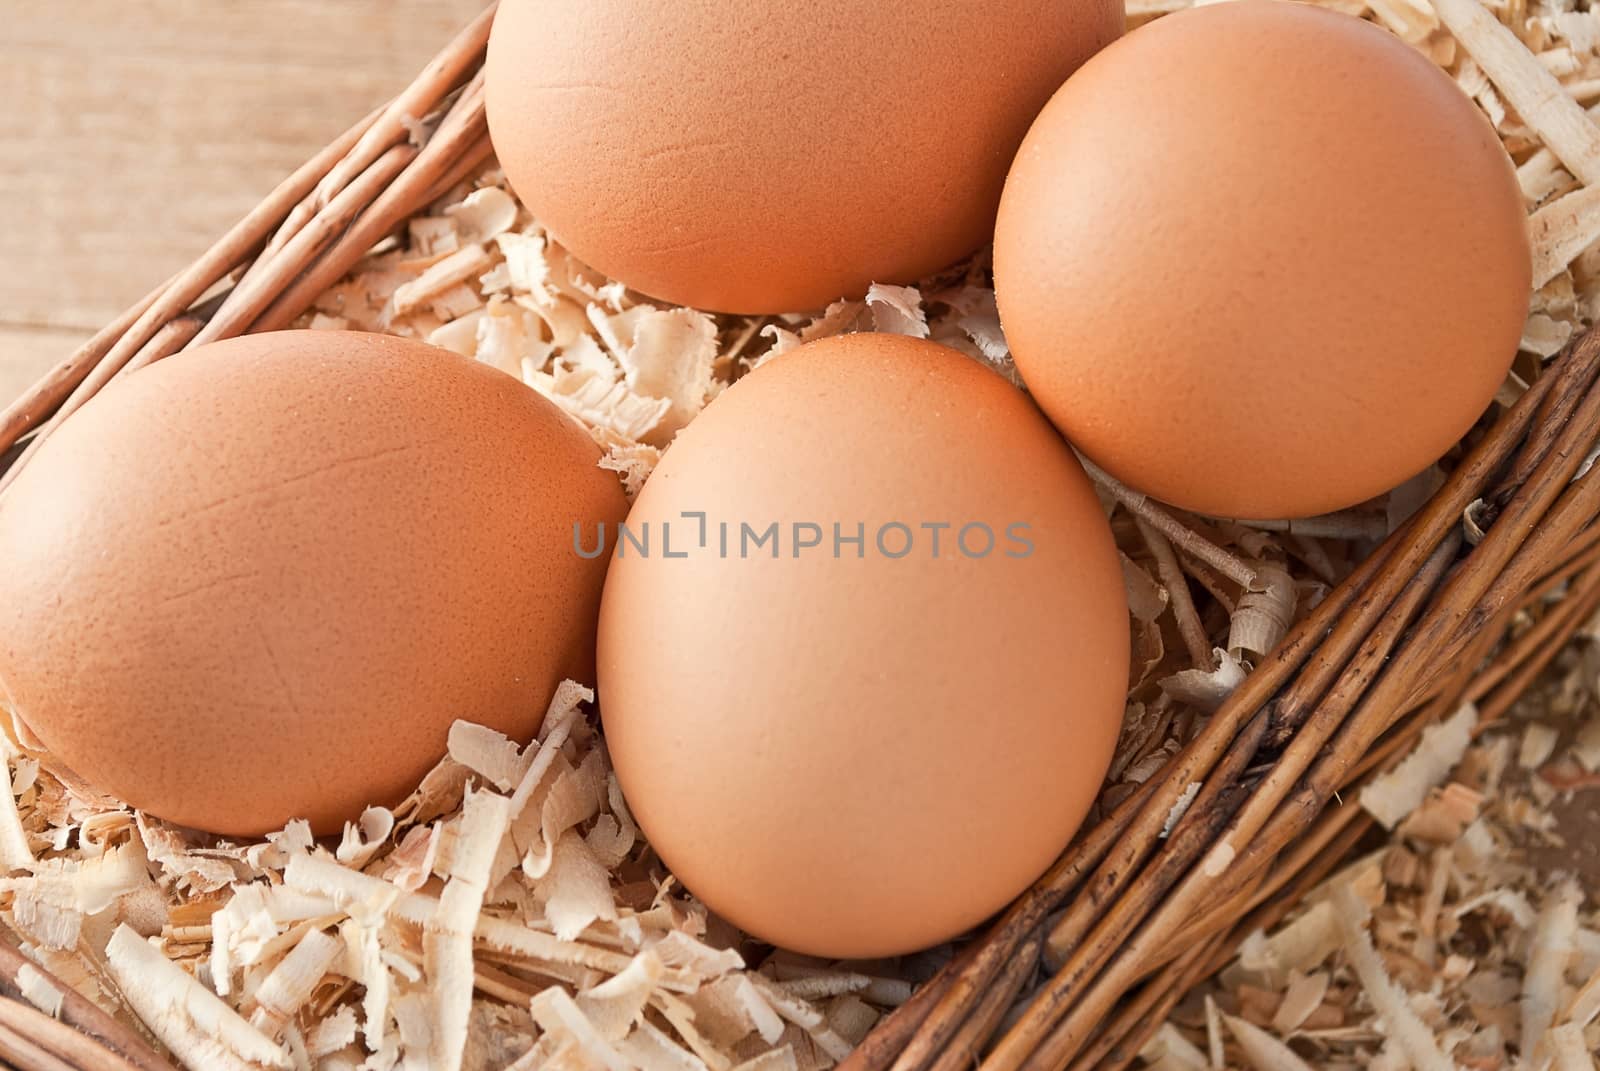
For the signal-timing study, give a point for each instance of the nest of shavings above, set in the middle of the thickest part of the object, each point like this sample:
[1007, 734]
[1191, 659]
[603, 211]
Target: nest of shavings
[508, 914]
[1464, 939]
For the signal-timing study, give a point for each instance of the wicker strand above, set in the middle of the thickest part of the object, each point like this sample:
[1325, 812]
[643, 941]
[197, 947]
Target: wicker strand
[444, 72]
[1394, 566]
[80, 1014]
[1152, 909]
[1073, 1003]
[461, 135]
[166, 304]
[1141, 506]
[1190, 630]
[306, 234]
[268, 277]
[962, 1050]
[1119, 1042]
[55, 1041]
[45, 396]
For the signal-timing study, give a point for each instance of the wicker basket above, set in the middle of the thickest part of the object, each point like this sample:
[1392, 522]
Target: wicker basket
[1129, 919]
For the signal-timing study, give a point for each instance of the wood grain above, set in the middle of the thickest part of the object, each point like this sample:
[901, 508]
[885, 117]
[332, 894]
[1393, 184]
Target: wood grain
[137, 130]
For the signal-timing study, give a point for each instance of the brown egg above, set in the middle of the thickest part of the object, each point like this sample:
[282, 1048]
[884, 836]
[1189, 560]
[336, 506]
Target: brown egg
[259, 580]
[1260, 259]
[772, 157]
[860, 749]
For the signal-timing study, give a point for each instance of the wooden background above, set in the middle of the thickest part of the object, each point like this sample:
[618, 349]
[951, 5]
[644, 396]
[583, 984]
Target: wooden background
[134, 132]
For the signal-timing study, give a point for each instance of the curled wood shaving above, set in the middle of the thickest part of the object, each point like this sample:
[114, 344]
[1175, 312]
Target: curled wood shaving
[1261, 1050]
[447, 936]
[1263, 617]
[38, 990]
[1207, 689]
[1560, 231]
[1402, 1024]
[290, 984]
[481, 215]
[1527, 84]
[197, 1026]
[15, 854]
[1395, 795]
[1549, 952]
[897, 310]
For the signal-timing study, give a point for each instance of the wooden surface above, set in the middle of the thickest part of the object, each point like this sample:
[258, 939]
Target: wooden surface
[135, 131]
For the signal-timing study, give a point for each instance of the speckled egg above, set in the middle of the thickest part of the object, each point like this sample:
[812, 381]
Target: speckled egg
[1261, 259]
[864, 648]
[259, 580]
[761, 157]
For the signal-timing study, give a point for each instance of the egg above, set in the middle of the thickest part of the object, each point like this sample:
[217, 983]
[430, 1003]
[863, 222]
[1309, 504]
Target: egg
[1262, 260]
[259, 580]
[773, 157]
[863, 648]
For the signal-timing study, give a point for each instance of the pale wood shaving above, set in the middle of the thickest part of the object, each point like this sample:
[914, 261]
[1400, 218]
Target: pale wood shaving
[1527, 84]
[197, 1026]
[1302, 997]
[897, 310]
[15, 854]
[1549, 952]
[1538, 744]
[1585, 1005]
[447, 936]
[38, 990]
[1569, 1050]
[290, 984]
[1261, 1050]
[465, 263]
[1563, 229]
[1401, 1022]
[1214, 1040]
[1207, 689]
[1263, 617]
[1393, 796]
[1445, 947]
[1169, 1050]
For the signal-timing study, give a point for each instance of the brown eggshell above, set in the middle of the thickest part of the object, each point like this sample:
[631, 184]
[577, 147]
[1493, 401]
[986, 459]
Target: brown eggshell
[861, 756]
[259, 580]
[1260, 259]
[771, 157]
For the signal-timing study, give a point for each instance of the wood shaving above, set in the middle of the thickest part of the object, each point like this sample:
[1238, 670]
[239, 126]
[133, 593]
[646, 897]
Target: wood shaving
[897, 310]
[39, 991]
[1457, 944]
[528, 901]
[1538, 744]
[1527, 84]
[1399, 792]
[1261, 1050]
[1169, 1050]
[1206, 689]
[1550, 950]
